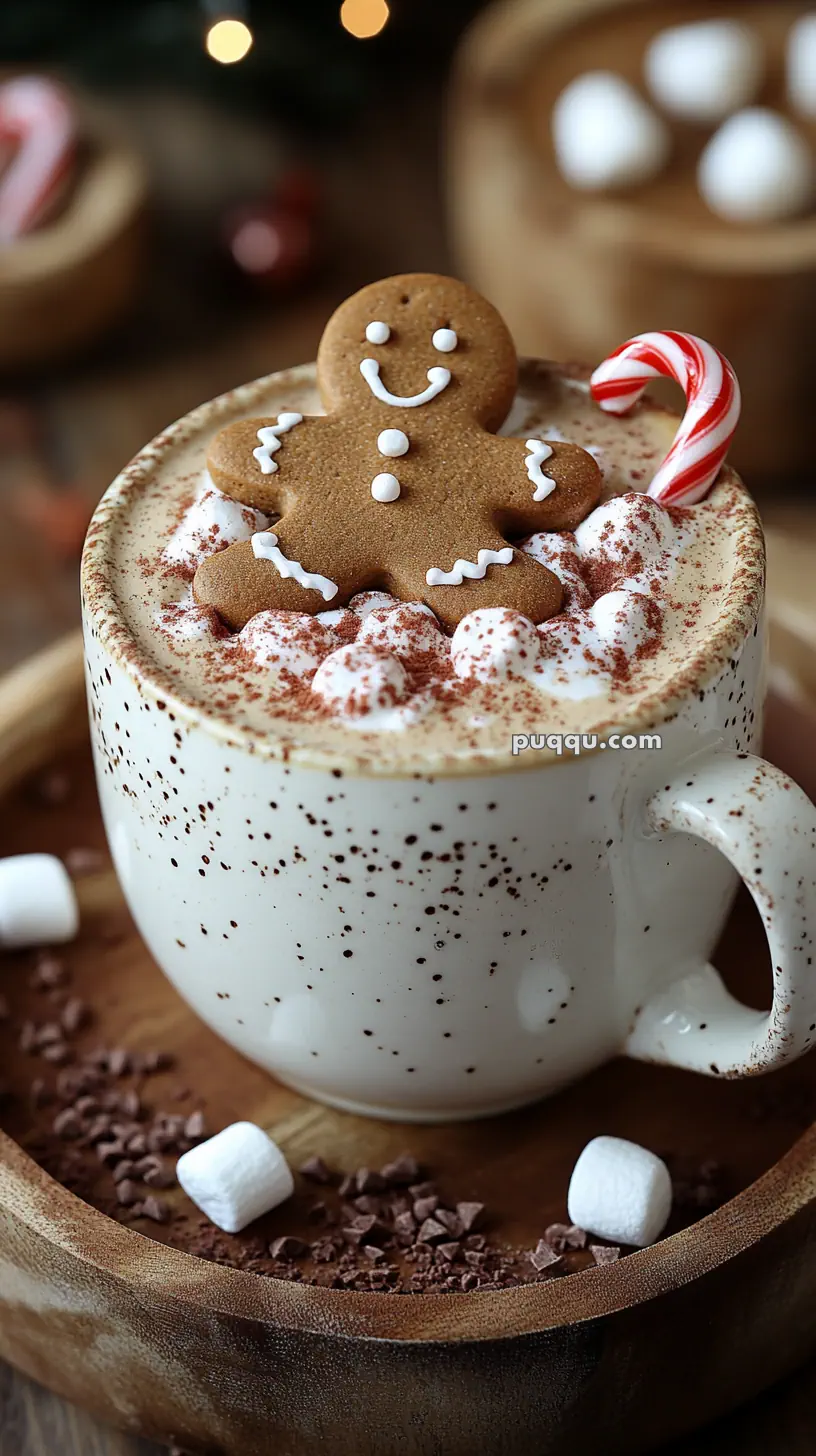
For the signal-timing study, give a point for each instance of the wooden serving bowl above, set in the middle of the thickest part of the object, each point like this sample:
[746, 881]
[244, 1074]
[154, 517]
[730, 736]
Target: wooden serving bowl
[574, 273]
[614, 1359]
[66, 282]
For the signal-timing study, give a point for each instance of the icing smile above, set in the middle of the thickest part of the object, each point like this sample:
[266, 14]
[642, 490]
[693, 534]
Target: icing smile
[438, 376]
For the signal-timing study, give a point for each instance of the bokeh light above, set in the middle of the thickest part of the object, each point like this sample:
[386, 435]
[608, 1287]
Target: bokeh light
[256, 246]
[364, 18]
[228, 41]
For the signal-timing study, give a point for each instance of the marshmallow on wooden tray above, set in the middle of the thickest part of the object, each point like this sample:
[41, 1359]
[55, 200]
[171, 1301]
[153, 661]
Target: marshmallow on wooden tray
[704, 71]
[605, 134]
[38, 904]
[620, 1192]
[756, 168]
[802, 65]
[236, 1176]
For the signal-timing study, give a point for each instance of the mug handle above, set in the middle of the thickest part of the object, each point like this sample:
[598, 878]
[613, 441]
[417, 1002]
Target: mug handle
[766, 826]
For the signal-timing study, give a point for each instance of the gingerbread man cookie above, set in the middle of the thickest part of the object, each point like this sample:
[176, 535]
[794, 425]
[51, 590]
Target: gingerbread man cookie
[402, 485]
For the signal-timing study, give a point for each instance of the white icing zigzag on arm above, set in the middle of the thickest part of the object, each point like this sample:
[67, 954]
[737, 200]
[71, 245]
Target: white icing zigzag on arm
[544, 484]
[473, 570]
[265, 548]
[269, 436]
[439, 379]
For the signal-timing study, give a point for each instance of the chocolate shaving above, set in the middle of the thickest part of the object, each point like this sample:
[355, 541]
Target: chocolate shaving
[316, 1171]
[402, 1172]
[288, 1248]
[543, 1256]
[604, 1254]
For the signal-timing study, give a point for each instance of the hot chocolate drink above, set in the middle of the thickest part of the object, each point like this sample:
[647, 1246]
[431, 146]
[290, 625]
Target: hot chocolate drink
[381, 683]
[314, 641]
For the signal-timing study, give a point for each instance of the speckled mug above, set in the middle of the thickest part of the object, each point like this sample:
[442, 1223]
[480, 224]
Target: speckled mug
[448, 946]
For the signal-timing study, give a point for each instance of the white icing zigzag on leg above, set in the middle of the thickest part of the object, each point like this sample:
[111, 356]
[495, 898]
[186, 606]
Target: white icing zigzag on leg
[265, 548]
[473, 570]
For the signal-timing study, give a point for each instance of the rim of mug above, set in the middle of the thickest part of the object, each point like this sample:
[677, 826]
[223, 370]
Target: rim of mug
[103, 616]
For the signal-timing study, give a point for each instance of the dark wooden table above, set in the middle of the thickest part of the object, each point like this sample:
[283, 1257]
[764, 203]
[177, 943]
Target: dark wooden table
[69, 431]
[33, 1422]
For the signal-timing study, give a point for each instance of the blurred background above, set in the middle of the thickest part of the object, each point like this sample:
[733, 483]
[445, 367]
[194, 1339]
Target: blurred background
[189, 187]
[264, 159]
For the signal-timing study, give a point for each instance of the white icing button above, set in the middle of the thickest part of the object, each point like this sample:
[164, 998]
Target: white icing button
[377, 332]
[385, 487]
[392, 443]
[445, 340]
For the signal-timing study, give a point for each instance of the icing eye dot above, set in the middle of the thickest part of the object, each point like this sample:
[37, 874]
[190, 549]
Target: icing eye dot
[385, 488]
[377, 332]
[445, 340]
[392, 443]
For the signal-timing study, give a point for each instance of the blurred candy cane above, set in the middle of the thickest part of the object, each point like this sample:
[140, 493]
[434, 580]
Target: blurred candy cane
[713, 394]
[37, 120]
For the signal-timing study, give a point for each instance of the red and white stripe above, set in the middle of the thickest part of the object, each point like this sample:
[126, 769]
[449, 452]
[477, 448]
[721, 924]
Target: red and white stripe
[37, 126]
[713, 394]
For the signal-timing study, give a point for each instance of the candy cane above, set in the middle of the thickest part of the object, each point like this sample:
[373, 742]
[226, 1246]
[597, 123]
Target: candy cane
[711, 388]
[36, 117]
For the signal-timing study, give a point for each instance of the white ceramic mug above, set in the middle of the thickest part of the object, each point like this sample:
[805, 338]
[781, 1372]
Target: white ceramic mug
[440, 947]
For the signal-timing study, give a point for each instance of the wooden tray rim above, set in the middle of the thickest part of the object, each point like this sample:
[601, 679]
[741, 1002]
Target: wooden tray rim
[47, 694]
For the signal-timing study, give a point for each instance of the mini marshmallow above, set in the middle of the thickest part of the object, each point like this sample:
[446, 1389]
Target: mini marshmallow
[404, 628]
[38, 905]
[291, 642]
[493, 643]
[371, 601]
[573, 661]
[559, 552]
[705, 71]
[620, 1192]
[802, 65]
[626, 620]
[606, 135]
[631, 530]
[757, 168]
[236, 1176]
[359, 679]
[212, 521]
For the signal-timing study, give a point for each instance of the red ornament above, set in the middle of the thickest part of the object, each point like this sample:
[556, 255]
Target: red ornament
[299, 191]
[270, 245]
[273, 241]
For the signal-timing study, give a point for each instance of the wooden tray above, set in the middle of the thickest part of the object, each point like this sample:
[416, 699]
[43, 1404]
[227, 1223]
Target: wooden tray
[613, 1359]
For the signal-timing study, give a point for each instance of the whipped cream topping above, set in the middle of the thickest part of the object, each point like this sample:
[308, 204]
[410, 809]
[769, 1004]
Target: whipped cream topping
[379, 662]
[185, 621]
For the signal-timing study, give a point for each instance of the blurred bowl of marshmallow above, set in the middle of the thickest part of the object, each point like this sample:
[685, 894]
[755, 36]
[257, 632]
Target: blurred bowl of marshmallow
[615, 164]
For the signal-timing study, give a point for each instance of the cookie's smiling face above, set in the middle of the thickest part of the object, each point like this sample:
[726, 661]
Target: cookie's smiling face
[419, 342]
